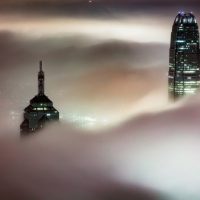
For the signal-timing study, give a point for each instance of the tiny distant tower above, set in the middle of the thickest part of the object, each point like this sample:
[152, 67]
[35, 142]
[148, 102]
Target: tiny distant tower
[184, 73]
[40, 111]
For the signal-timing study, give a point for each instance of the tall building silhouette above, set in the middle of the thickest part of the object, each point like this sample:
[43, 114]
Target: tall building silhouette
[184, 74]
[40, 111]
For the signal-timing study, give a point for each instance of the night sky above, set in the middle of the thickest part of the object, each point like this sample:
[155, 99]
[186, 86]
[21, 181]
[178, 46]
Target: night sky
[106, 67]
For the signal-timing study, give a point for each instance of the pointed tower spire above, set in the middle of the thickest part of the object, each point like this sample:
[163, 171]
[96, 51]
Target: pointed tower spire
[42, 105]
[40, 65]
[41, 81]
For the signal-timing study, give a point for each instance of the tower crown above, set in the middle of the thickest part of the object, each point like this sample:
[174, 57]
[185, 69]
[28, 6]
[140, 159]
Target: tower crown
[185, 18]
[184, 70]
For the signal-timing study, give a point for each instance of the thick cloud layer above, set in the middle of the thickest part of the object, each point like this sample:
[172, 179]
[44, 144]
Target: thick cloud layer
[152, 157]
[104, 81]
[99, 71]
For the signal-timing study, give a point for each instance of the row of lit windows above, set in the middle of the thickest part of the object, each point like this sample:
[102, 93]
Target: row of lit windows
[187, 82]
[40, 108]
[186, 71]
[47, 114]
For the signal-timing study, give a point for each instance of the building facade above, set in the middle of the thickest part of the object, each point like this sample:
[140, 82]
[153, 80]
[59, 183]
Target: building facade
[40, 111]
[184, 73]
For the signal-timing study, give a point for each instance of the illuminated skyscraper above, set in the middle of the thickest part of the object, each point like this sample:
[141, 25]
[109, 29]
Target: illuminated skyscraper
[184, 74]
[40, 111]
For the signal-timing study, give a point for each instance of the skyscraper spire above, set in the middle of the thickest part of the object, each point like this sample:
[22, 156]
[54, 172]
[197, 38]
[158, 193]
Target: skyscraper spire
[41, 81]
[40, 111]
[40, 65]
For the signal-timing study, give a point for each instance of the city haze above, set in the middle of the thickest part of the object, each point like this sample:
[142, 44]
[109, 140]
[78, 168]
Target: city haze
[106, 68]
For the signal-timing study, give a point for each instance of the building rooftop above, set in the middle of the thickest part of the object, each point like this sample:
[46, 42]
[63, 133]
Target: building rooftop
[185, 18]
[40, 99]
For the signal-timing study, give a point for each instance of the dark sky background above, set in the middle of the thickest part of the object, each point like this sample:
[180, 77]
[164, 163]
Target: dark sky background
[106, 67]
[4, 2]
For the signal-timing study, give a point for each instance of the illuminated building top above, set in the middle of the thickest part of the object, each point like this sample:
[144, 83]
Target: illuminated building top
[185, 18]
[184, 74]
[40, 110]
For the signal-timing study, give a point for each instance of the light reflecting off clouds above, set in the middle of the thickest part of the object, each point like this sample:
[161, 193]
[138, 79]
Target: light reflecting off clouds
[135, 29]
[158, 152]
[90, 65]
[108, 77]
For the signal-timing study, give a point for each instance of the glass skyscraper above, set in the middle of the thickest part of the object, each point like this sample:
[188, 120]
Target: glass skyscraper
[184, 74]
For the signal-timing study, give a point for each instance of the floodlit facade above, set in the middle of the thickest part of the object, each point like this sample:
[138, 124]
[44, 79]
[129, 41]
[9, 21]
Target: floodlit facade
[40, 111]
[184, 74]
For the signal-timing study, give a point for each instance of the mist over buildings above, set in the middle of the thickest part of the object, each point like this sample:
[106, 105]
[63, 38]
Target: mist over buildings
[88, 71]
[104, 67]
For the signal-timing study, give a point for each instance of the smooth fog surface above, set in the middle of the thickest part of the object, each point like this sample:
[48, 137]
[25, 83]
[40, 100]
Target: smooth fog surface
[153, 157]
[105, 66]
